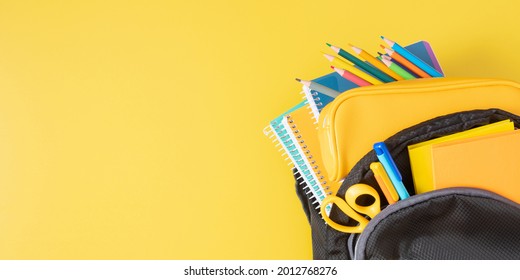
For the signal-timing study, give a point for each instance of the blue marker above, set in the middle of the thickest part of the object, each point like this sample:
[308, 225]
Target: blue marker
[391, 169]
[412, 58]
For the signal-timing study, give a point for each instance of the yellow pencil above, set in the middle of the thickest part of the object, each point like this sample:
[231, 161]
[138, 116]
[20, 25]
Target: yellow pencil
[349, 67]
[376, 63]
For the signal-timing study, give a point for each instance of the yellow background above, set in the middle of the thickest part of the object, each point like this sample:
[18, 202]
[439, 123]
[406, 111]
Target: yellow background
[133, 129]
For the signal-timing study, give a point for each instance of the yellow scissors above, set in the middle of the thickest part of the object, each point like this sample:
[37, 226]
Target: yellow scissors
[352, 209]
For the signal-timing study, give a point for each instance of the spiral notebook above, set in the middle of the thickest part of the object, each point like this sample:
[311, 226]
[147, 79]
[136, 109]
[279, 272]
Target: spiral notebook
[280, 133]
[313, 178]
[303, 130]
[317, 100]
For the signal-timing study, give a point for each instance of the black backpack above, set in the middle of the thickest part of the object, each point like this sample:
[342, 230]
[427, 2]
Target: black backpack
[454, 223]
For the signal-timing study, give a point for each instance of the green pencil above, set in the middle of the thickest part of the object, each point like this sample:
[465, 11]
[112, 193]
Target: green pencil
[396, 68]
[361, 64]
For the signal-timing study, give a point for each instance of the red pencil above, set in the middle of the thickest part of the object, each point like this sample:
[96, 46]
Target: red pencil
[351, 77]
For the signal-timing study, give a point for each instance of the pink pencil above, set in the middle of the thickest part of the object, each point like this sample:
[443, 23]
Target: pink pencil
[351, 77]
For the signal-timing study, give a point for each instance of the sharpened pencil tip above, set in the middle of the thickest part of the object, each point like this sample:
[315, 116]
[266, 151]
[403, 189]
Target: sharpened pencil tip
[382, 37]
[299, 80]
[328, 57]
[328, 44]
[386, 62]
[332, 67]
[356, 49]
[389, 42]
[382, 46]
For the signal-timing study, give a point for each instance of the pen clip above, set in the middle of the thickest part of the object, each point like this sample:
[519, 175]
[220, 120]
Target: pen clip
[382, 150]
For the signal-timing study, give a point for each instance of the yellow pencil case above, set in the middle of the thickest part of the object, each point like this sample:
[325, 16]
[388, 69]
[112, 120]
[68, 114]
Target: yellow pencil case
[358, 118]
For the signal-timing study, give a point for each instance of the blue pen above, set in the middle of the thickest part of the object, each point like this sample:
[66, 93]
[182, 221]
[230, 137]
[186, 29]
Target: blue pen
[412, 58]
[391, 169]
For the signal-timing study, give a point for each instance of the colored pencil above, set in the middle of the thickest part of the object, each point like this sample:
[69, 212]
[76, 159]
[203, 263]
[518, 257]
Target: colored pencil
[361, 64]
[399, 64]
[352, 69]
[351, 77]
[376, 63]
[337, 61]
[412, 58]
[396, 68]
[319, 88]
[403, 61]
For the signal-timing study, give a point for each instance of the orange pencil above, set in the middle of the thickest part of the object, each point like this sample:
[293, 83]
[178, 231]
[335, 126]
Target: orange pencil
[403, 61]
[351, 77]
[376, 63]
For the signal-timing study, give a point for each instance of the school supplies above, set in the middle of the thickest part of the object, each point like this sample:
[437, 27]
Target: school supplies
[384, 182]
[412, 58]
[319, 87]
[364, 115]
[403, 61]
[336, 61]
[335, 81]
[318, 100]
[490, 162]
[318, 93]
[430, 59]
[351, 77]
[391, 169]
[396, 68]
[381, 55]
[315, 101]
[361, 225]
[302, 128]
[421, 153]
[361, 64]
[350, 207]
[437, 222]
[350, 68]
[376, 63]
[280, 135]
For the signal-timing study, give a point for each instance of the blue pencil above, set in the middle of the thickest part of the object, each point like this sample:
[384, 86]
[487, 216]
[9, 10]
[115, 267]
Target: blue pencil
[391, 169]
[412, 58]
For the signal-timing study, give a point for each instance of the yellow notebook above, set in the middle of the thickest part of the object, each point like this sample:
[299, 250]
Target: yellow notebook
[421, 157]
[303, 127]
[490, 162]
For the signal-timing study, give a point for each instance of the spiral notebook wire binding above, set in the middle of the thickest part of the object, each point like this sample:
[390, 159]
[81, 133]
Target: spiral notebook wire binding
[314, 102]
[317, 183]
[280, 136]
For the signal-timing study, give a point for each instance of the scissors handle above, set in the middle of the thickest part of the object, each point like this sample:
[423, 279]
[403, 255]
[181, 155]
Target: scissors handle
[343, 206]
[349, 207]
[358, 190]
